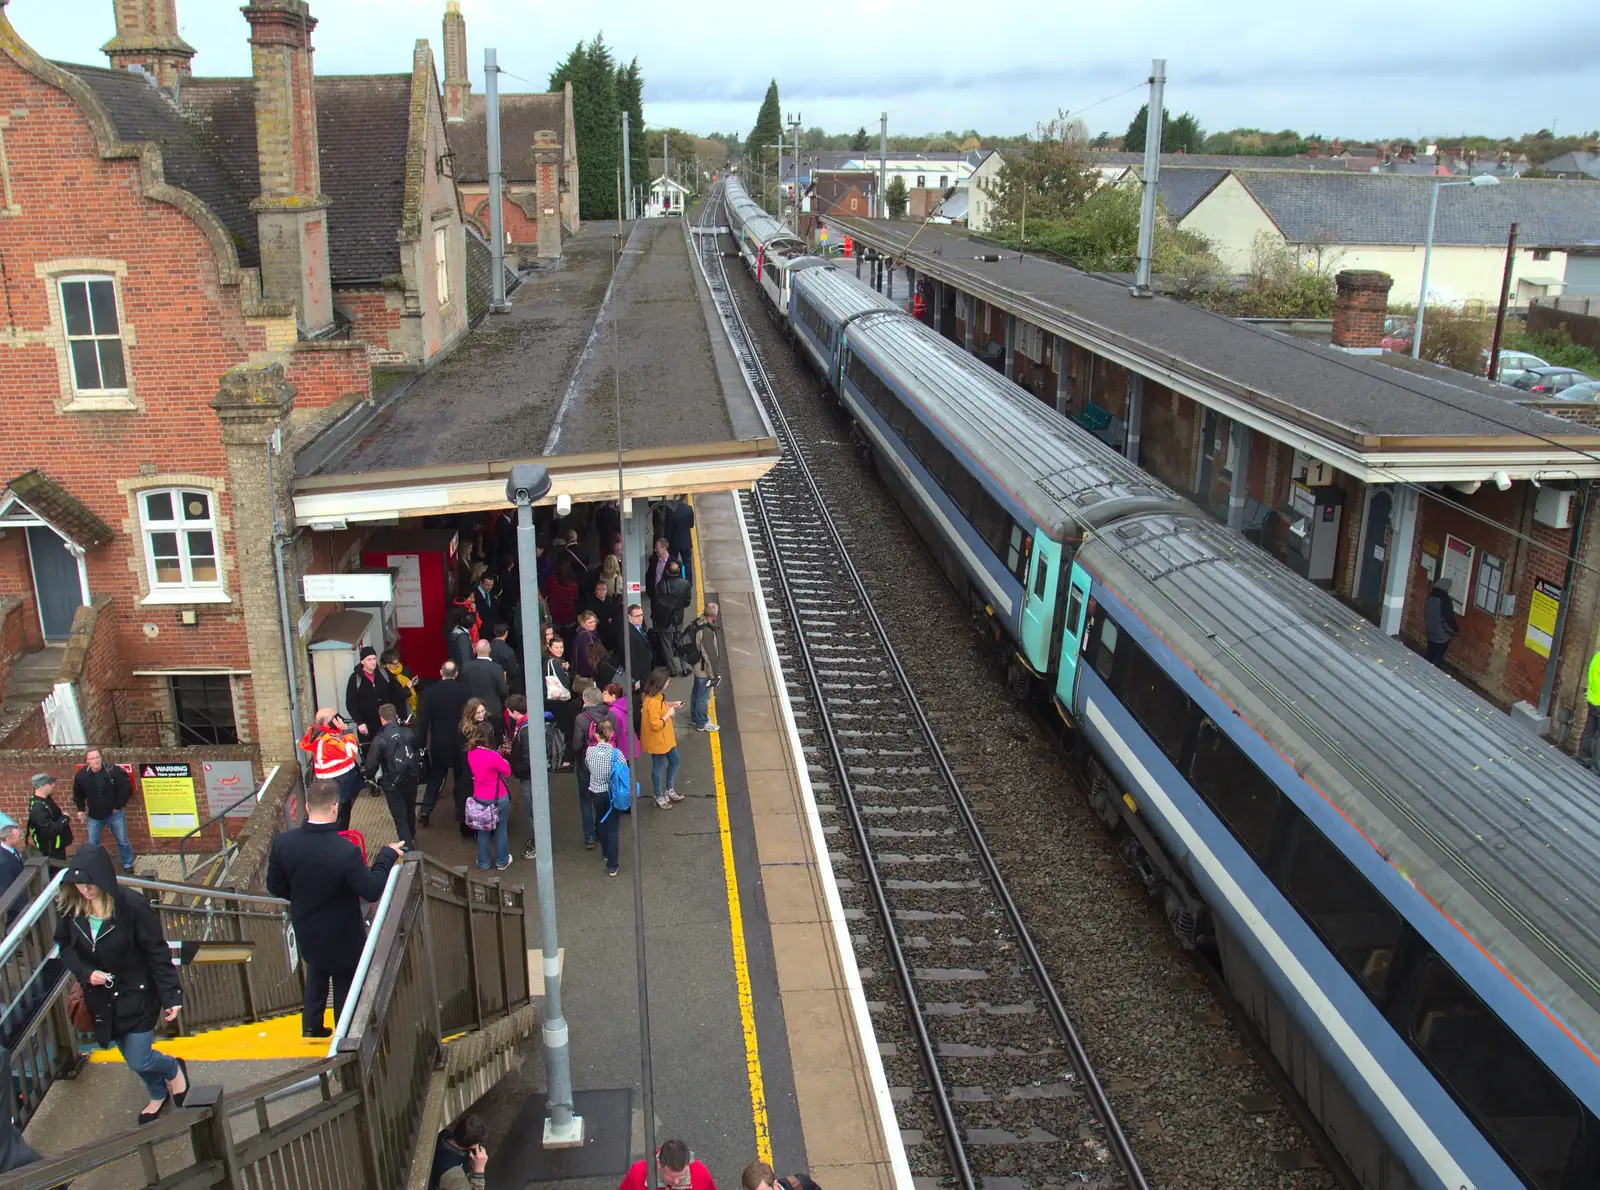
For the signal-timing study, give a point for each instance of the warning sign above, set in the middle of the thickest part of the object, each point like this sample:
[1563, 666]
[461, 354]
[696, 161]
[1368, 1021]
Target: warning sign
[169, 802]
[1543, 607]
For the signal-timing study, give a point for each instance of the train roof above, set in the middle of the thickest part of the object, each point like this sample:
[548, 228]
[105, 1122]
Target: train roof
[1499, 828]
[1063, 475]
[764, 229]
[837, 294]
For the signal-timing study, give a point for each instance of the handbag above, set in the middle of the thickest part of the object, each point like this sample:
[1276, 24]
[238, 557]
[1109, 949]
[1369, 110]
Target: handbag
[78, 1009]
[555, 690]
[482, 816]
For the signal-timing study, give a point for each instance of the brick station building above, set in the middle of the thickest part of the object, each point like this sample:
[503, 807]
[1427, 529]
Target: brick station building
[199, 274]
[1368, 472]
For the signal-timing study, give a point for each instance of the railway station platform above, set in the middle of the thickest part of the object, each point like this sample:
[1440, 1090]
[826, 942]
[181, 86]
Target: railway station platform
[759, 1028]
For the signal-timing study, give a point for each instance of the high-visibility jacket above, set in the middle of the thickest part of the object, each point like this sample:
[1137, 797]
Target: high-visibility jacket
[1594, 680]
[331, 754]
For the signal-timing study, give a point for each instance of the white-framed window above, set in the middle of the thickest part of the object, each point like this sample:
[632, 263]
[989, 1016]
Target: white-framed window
[441, 263]
[1491, 584]
[1030, 342]
[94, 334]
[944, 181]
[180, 540]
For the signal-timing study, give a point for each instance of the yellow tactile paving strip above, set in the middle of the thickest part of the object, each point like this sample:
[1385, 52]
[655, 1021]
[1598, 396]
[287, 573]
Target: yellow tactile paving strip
[841, 1110]
[277, 1037]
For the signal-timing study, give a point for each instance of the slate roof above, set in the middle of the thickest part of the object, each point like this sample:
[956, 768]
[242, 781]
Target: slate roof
[1393, 209]
[1576, 162]
[1106, 157]
[208, 147]
[363, 126]
[191, 154]
[522, 113]
[1183, 187]
[52, 502]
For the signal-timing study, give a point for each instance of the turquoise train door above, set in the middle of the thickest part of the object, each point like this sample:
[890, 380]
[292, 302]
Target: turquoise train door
[1071, 637]
[1039, 603]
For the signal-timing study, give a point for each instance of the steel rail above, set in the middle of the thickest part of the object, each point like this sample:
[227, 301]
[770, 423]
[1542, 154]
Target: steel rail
[1116, 1137]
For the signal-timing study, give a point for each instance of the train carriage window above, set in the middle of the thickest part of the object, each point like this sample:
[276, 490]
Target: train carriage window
[1232, 786]
[1074, 612]
[1018, 545]
[963, 490]
[1156, 701]
[1042, 578]
[899, 419]
[1104, 643]
[989, 519]
[1360, 926]
[1520, 1106]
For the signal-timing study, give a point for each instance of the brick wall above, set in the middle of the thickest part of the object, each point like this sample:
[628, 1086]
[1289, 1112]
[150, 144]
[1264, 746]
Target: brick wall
[1166, 436]
[519, 227]
[16, 582]
[376, 315]
[323, 372]
[17, 765]
[12, 636]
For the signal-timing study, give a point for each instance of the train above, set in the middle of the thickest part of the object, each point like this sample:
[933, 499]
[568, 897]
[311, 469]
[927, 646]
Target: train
[769, 249]
[1399, 886]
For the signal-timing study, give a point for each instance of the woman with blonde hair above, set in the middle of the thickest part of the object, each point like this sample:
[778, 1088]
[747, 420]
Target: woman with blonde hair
[111, 940]
[611, 573]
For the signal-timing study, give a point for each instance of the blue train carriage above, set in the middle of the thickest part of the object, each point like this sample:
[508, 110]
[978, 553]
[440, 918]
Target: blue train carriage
[1403, 888]
[1000, 486]
[822, 303]
[780, 264]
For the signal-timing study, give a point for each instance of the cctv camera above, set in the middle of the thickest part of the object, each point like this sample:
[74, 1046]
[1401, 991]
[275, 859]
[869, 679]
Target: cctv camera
[528, 483]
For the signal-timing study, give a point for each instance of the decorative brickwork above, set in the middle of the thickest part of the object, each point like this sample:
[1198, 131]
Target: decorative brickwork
[147, 37]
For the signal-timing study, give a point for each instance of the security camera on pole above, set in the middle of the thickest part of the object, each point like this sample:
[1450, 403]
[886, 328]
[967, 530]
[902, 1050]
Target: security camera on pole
[562, 1130]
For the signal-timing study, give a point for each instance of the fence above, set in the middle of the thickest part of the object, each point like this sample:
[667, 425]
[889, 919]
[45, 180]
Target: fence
[1581, 317]
[449, 955]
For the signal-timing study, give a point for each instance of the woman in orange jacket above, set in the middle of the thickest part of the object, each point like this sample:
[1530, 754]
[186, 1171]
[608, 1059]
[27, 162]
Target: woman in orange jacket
[658, 740]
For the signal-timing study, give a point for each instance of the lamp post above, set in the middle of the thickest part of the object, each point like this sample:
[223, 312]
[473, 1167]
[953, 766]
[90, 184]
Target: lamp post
[1427, 251]
[562, 1130]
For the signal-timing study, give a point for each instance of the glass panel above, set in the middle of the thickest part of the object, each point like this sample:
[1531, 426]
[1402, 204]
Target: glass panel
[196, 506]
[1074, 610]
[103, 307]
[1519, 1103]
[164, 551]
[158, 507]
[203, 707]
[1347, 911]
[75, 305]
[202, 556]
[85, 365]
[1041, 578]
[111, 372]
[1156, 701]
[1233, 787]
[1106, 650]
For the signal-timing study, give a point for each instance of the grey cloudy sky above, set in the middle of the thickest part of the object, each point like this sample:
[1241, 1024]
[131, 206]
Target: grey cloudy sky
[1357, 68]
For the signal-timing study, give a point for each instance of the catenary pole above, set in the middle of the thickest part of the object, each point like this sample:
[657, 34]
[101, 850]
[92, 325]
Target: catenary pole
[497, 234]
[562, 1129]
[627, 166]
[883, 165]
[1505, 296]
[1152, 175]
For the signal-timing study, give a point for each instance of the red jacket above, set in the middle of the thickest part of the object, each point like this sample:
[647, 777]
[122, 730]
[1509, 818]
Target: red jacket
[331, 754]
[699, 1177]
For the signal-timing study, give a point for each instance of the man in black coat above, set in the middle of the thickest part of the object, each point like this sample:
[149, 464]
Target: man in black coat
[395, 764]
[11, 868]
[678, 526]
[100, 791]
[369, 687]
[486, 680]
[439, 727]
[320, 874]
[460, 639]
[503, 655]
[486, 599]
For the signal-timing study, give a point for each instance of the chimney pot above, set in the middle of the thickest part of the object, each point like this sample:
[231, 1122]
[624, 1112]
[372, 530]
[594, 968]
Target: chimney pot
[147, 37]
[1359, 310]
[457, 83]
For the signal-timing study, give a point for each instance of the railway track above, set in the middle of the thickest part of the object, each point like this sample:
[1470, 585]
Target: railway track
[991, 1080]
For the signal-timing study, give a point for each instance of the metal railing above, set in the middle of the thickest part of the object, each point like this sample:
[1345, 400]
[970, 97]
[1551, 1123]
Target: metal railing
[447, 954]
[224, 854]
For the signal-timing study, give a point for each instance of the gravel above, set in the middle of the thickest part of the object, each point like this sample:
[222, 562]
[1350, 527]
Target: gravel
[1197, 1109]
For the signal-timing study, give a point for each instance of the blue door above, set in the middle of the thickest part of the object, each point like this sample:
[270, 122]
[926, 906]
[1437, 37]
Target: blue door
[55, 581]
[1075, 616]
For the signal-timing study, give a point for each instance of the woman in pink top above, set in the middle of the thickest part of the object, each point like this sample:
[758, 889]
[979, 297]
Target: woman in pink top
[491, 774]
[618, 710]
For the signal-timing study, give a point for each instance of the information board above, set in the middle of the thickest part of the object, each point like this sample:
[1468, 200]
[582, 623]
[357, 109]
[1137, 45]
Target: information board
[229, 782]
[1543, 607]
[169, 802]
[1457, 567]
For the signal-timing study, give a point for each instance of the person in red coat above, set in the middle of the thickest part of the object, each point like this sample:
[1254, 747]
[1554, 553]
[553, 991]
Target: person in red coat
[676, 1169]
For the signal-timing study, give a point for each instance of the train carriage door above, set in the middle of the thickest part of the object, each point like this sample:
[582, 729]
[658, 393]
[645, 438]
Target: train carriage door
[1075, 616]
[1039, 603]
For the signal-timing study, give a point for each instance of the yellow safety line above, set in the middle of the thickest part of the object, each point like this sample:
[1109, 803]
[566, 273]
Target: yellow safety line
[275, 1037]
[741, 962]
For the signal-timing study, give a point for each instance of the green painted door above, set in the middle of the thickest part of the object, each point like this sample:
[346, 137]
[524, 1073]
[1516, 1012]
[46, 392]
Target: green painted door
[1039, 604]
[1076, 614]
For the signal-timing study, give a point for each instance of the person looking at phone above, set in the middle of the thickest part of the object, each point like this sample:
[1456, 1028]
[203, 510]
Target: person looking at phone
[459, 1156]
[658, 739]
[336, 757]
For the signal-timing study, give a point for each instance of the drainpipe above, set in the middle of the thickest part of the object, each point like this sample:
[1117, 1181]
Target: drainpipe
[283, 604]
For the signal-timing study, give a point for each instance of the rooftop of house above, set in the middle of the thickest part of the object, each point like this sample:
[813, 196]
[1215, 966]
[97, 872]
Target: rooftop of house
[208, 147]
[1360, 402]
[1181, 189]
[522, 115]
[1107, 158]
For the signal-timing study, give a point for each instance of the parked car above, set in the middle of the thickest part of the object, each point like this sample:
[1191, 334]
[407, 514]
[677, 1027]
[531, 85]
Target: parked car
[1397, 334]
[1547, 382]
[1589, 390]
[1514, 364]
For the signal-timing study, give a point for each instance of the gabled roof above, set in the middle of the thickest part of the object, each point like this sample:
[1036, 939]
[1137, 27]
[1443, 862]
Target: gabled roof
[522, 113]
[1181, 189]
[363, 125]
[957, 204]
[1332, 208]
[53, 504]
[1104, 157]
[1575, 162]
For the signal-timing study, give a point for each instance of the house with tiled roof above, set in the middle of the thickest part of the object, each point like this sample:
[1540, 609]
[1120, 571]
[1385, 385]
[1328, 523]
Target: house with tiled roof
[1379, 221]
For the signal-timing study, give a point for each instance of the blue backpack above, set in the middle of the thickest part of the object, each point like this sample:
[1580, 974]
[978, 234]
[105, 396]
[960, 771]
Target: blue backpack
[621, 784]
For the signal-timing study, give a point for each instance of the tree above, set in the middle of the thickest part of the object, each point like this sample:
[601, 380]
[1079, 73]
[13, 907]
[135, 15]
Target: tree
[1133, 139]
[858, 142]
[896, 197]
[1183, 135]
[813, 140]
[769, 126]
[1048, 179]
[630, 99]
[598, 121]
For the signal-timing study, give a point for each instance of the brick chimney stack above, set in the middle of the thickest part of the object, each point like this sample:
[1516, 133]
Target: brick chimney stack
[1359, 310]
[292, 211]
[147, 36]
[457, 86]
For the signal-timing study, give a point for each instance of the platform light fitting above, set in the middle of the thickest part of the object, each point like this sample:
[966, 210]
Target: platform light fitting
[563, 504]
[1502, 481]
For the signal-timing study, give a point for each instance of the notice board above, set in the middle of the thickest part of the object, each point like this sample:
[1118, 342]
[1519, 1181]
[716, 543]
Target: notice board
[1543, 606]
[169, 802]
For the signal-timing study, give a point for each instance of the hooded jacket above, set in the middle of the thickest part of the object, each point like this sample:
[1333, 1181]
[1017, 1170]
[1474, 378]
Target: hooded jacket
[131, 948]
[1439, 615]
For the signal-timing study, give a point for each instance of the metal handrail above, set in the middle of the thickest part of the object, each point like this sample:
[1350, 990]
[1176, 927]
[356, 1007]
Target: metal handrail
[257, 794]
[347, 1016]
[30, 915]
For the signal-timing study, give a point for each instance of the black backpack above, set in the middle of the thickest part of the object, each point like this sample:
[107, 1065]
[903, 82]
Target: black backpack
[404, 766]
[688, 646]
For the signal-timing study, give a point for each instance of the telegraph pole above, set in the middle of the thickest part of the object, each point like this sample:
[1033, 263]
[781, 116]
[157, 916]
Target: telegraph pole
[883, 165]
[1505, 296]
[1152, 174]
[497, 234]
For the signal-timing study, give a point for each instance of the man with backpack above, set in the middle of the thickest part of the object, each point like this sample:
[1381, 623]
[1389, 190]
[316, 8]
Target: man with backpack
[701, 647]
[48, 822]
[667, 603]
[586, 731]
[393, 764]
